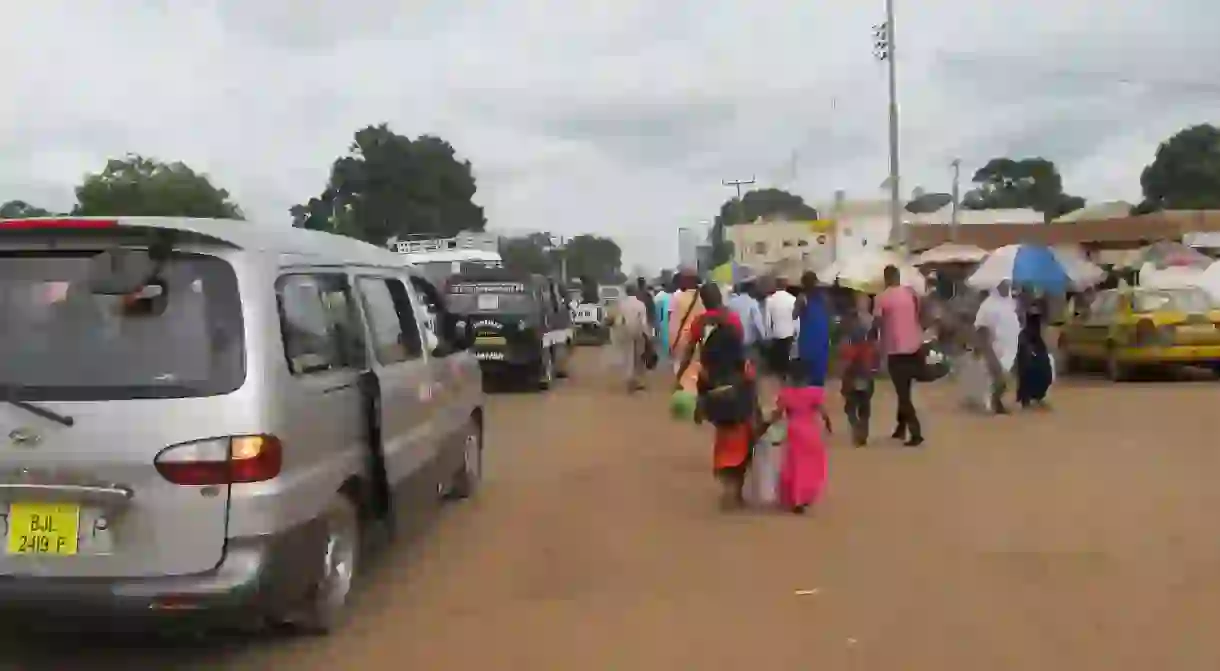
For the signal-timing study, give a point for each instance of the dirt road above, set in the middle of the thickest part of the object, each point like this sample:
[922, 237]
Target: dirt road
[1083, 538]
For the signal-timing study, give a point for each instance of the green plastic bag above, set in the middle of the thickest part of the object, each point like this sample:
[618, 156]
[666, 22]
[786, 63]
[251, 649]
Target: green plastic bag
[682, 405]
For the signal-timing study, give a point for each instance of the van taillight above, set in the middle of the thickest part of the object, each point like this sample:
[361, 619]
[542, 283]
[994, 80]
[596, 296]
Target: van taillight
[51, 223]
[222, 461]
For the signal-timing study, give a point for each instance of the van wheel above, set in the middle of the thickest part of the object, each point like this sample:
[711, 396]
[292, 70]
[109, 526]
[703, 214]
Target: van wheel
[466, 481]
[328, 600]
[546, 370]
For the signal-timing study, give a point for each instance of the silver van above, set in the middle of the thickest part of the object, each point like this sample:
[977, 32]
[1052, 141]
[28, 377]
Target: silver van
[212, 418]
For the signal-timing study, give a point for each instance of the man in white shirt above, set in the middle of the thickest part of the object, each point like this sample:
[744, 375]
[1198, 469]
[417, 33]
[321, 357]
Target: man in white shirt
[781, 326]
[630, 336]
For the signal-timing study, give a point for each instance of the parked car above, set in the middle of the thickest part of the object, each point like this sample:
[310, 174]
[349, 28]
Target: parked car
[590, 324]
[208, 419]
[522, 325]
[1127, 328]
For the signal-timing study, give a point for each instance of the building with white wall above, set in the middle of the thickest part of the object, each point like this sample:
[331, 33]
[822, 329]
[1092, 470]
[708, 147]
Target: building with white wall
[764, 245]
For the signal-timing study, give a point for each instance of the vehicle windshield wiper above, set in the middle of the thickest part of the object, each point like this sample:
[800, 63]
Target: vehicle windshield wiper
[41, 411]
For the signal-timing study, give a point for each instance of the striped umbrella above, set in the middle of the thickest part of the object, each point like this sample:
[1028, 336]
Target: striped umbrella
[1034, 266]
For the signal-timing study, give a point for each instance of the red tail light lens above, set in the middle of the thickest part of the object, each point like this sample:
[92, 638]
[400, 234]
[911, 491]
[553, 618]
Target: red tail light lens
[41, 224]
[222, 461]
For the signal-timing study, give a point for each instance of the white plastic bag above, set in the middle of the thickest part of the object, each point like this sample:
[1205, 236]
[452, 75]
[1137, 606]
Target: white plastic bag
[762, 481]
[974, 383]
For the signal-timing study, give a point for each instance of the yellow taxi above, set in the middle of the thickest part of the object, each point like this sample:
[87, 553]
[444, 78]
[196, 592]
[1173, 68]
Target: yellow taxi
[1132, 327]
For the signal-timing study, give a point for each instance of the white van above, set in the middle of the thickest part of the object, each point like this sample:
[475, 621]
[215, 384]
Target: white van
[209, 418]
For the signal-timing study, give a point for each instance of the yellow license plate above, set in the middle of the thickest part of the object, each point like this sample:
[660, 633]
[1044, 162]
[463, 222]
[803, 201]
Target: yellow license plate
[490, 340]
[43, 528]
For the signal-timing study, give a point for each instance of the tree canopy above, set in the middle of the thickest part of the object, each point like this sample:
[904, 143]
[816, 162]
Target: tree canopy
[528, 253]
[1034, 183]
[389, 185]
[19, 209]
[766, 203]
[1185, 173]
[139, 186]
[592, 256]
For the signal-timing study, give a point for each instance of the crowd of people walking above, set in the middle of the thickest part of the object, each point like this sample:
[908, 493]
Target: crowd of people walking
[755, 365]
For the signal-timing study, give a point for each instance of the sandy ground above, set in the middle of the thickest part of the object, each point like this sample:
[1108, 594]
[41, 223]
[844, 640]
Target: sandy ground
[1082, 538]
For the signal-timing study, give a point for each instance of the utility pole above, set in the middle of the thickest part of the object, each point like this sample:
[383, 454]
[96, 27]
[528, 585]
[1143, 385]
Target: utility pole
[741, 205]
[741, 209]
[738, 183]
[957, 179]
[884, 50]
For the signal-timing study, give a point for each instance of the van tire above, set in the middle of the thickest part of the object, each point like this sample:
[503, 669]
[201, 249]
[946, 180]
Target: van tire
[326, 607]
[468, 477]
[546, 370]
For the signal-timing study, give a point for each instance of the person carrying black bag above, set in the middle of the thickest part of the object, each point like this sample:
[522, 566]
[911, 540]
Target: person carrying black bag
[897, 313]
[727, 392]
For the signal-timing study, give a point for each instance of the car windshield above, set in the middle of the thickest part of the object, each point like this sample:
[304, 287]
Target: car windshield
[1183, 300]
[503, 297]
[59, 341]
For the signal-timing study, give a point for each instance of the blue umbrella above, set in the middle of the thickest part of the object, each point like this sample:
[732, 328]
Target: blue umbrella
[1024, 265]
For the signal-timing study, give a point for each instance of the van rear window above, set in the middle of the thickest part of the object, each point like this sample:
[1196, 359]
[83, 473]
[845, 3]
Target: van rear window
[60, 342]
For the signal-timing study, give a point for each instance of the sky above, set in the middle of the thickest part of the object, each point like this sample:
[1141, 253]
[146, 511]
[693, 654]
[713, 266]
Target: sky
[615, 118]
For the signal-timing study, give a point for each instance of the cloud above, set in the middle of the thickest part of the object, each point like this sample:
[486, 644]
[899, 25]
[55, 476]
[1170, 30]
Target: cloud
[617, 118]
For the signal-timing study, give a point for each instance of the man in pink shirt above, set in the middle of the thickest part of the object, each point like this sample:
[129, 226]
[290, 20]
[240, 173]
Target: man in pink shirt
[897, 314]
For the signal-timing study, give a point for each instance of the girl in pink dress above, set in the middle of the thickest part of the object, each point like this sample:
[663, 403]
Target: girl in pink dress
[803, 474]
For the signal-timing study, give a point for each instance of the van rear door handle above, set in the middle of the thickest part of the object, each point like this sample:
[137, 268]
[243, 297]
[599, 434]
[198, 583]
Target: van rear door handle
[104, 495]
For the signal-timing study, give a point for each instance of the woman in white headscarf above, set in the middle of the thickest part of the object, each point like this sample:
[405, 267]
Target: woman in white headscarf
[999, 325]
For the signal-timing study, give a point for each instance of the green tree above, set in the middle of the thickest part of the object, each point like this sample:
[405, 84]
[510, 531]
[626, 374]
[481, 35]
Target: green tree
[768, 203]
[1185, 173]
[1034, 183]
[137, 186]
[588, 256]
[596, 257]
[19, 209]
[390, 185]
[528, 253]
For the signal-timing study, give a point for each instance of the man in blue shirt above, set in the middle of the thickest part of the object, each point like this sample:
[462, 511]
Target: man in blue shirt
[746, 304]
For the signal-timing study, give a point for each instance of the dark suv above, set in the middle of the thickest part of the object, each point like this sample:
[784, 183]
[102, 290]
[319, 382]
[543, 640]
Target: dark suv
[521, 324]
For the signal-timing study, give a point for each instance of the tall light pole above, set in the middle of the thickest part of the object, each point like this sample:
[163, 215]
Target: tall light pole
[884, 50]
[559, 244]
[957, 185]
